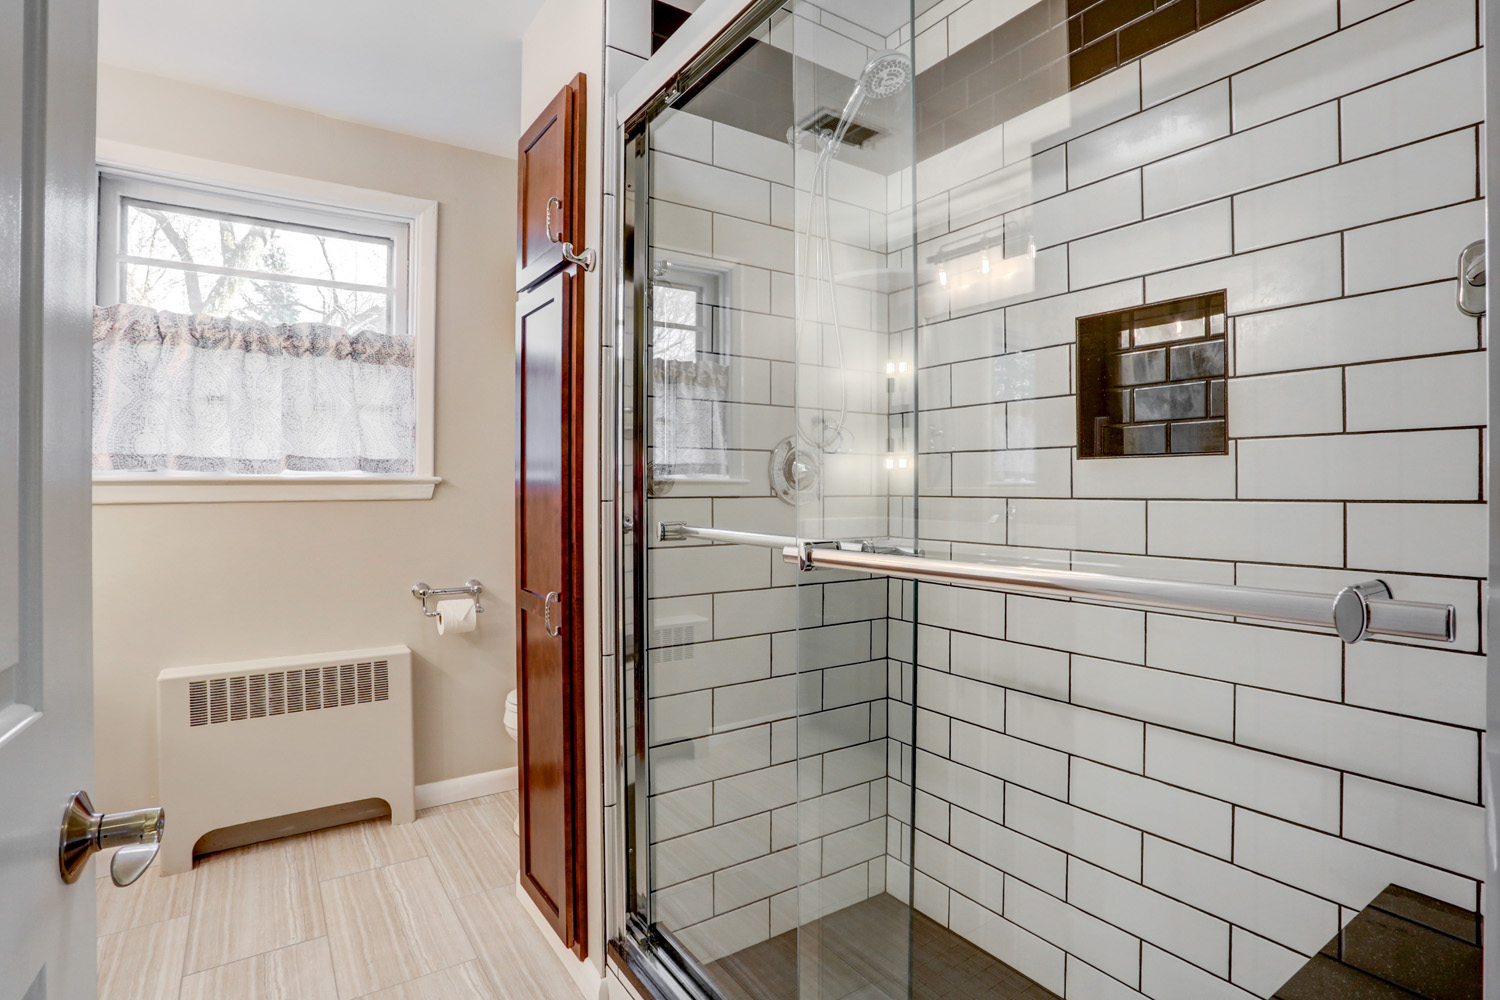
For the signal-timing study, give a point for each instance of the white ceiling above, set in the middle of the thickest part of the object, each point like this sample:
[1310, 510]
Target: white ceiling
[448, 70]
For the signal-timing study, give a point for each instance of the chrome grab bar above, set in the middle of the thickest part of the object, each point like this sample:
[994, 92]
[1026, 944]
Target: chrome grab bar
[1356, 612]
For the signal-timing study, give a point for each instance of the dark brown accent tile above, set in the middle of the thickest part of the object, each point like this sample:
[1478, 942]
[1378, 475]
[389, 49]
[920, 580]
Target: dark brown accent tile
[1111, 15]
[1096, 60]
[1168, 24]
[665, 20]
[1210, 11]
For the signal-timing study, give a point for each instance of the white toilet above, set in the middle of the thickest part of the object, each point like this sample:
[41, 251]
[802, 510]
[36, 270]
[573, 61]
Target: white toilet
[512, 721]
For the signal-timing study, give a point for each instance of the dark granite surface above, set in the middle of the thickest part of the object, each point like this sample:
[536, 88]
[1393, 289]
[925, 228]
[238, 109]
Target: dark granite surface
[1402, 945]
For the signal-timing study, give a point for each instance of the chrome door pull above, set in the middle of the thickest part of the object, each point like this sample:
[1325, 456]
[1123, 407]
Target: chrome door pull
[586, 260]
[553, 597]
[137, 834]
[1471, 268]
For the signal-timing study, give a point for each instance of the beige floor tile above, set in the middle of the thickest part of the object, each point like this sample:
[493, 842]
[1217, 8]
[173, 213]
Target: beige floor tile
[510, 802]
[461, 982]
[153, 897]
[302, 972]
[254, 900]
[390, 925]
[473, 848]
[517, 957]
[357, 847]
[144, 963]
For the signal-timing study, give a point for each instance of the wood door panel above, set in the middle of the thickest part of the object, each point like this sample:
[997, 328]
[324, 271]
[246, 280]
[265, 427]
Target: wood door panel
[549, 681]
[550, 166]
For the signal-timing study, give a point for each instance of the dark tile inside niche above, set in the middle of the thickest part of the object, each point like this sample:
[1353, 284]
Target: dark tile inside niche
[1151, 380]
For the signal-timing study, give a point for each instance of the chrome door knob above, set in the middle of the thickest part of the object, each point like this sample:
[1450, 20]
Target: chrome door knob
[137, 834]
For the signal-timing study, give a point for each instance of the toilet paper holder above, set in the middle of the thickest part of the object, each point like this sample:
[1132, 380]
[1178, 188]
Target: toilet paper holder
[422, 592]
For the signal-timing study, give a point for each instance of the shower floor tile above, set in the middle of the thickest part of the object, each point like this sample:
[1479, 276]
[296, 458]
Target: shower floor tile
[862, 953]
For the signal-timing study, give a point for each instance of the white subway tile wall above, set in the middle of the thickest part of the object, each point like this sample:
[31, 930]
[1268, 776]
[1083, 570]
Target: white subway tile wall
[1118, 803]
[1218, 789]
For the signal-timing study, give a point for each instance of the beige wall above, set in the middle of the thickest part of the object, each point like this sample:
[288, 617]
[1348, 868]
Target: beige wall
[183, 584]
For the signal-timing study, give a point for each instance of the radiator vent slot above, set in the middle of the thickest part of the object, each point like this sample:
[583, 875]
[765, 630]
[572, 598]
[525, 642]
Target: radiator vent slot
[198, 703]
[259, 696]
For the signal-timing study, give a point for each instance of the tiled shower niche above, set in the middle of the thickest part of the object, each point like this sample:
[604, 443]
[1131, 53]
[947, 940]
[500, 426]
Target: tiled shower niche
[1151, 380]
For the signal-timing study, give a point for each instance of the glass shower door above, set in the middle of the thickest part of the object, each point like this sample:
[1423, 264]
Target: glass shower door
[767, 409]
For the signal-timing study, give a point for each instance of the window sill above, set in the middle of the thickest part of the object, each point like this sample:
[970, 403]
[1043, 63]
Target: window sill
[259, 489]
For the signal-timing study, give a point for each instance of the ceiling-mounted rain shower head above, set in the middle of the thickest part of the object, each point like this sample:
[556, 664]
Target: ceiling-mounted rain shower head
[886, 75]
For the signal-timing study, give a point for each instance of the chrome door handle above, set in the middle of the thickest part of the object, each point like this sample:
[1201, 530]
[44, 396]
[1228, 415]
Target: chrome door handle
[553, 597]
[1471, 275]
[586, 260]
[137, 834]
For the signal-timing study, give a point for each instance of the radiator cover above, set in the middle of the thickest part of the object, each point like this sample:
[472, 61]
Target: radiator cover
[258, 739]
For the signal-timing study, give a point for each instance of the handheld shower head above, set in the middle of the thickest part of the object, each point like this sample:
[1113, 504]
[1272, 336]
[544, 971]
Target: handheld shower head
[886, 75]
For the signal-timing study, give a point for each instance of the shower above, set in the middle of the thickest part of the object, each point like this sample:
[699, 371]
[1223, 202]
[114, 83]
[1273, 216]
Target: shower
[886, 75]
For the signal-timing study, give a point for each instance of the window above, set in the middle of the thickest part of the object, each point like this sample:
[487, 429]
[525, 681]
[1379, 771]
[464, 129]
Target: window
[260, 337]
[691, 369]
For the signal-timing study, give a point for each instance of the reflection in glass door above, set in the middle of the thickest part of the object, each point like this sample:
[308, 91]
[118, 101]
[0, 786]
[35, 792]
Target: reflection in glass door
[1063, 460]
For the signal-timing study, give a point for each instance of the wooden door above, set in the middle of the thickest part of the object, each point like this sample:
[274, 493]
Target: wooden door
[550, 175]
[549, 521]
[47, 218]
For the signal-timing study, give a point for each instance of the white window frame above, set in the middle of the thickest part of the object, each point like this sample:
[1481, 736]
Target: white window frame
[312, 200]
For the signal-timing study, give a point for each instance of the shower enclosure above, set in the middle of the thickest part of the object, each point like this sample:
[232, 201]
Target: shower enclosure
[1057, 534]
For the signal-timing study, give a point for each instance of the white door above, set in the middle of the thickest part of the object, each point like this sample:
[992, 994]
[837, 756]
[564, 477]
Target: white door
[46, 702]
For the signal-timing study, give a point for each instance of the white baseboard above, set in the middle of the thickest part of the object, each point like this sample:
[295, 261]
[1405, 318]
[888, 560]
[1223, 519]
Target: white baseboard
[469, 786]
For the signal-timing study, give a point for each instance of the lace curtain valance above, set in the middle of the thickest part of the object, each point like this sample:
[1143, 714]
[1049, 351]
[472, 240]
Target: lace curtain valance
[185, 393]
[689, 425]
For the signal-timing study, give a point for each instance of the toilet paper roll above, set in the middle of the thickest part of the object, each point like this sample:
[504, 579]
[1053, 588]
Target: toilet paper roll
[456, 616]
